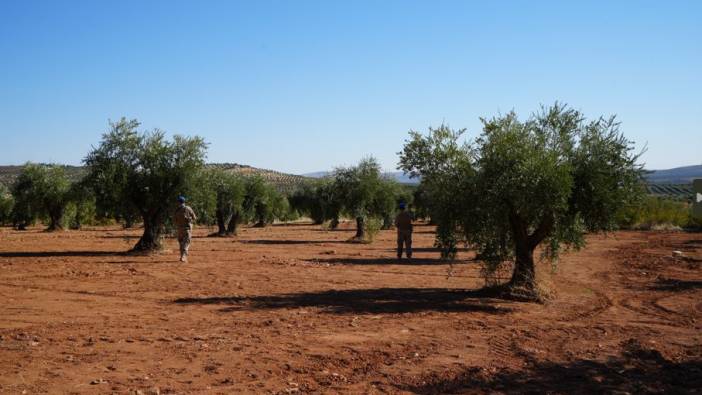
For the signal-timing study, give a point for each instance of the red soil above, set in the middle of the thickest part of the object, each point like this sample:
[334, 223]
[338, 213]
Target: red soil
[297, 309]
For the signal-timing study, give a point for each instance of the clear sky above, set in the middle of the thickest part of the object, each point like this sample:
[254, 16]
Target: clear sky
[302, 86]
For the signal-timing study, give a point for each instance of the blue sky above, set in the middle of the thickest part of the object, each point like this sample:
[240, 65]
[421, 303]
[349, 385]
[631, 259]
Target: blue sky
[301, 86]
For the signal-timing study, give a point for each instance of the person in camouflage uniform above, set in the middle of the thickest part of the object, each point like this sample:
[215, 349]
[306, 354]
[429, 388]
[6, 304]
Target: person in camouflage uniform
[184, 218]
[403, 223]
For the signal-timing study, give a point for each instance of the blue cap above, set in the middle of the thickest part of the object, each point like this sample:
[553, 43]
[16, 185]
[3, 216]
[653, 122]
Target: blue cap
[181, 199]
[402, 205]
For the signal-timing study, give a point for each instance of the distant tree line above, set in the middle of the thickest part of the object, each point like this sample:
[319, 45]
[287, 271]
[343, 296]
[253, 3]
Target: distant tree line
[359, 192]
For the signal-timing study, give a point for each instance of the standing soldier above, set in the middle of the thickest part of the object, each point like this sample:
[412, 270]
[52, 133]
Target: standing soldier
[403, 222]
[184, 218]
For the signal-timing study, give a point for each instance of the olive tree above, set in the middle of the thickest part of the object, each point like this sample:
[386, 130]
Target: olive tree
[220, 195]
[109, 181]
[386, 200]
[262, 203]
[545, 181]
[147, 172]
[82, 204]
[446, 168]
[317, 199]
[41, 191]
[359, 188]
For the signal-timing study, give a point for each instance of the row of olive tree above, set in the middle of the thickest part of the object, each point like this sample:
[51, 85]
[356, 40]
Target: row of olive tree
[545, 181]
[228, 200]
[136, 176]
[360, 192]
[45, 192]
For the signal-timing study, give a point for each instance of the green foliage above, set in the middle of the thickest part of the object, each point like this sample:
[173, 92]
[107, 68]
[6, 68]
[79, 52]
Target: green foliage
[144, 173]
[363, 192]
[315, 199]
[110, 166]
[372, 228]
[447, 170]
[6, 204]
[421, 203]
[544, 181]
[81, 209]
[655, 212]
[386, 200]
[40, 191]
[217, 195]
[262, 203]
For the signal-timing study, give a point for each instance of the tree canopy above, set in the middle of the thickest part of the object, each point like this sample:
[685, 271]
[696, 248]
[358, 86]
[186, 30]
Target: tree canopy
[144, 172]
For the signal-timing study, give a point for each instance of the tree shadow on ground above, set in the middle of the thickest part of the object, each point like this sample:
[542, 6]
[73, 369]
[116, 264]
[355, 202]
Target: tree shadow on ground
[292, 225]
[48, 254]
[671, 284]
[386, 261]
[365, 301]
[636, 371]
[284, 242]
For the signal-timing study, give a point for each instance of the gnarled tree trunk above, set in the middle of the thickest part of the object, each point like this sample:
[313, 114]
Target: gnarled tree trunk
[221, 223]
[55, 217]
[524, 275]
[151, 238]
[523, 281]
[360, 228]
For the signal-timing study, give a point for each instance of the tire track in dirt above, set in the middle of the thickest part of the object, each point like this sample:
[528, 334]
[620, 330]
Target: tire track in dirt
[661, 316]
[592, 309]
[504, 349]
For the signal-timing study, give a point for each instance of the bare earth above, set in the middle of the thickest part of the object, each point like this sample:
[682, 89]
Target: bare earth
[297, 309]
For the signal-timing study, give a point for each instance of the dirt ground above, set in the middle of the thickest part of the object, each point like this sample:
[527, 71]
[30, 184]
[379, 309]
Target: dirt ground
[295, 308]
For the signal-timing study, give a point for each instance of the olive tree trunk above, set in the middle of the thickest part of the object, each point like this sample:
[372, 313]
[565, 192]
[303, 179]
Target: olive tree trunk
[360, 228]
[55, 217]
[523, 281]
[221, 223]
[151, 238]
[524, 275]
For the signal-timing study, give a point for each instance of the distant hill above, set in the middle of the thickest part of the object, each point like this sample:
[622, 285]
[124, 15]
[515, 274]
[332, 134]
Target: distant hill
[283, 181]
[661, 182]
[678, 175]
[8, 174]
[398, 176]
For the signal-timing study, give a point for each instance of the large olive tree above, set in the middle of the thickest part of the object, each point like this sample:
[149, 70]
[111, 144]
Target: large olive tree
[545, 181]
[146, 171]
